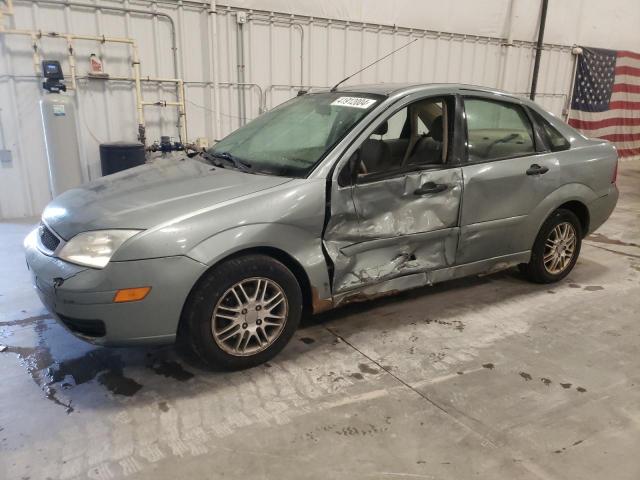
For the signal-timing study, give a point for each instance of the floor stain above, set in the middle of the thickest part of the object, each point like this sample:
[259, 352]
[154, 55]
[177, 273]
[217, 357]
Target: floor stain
[357, 376]
[575, 285]
[488, 366]
[581, 389]
[526, 376]
[593, 288]
[86, 367]
[26, 321]
[47, 372]
[38, 361]
[163, 406]
[456, 324]
[307, 340]
[563, 449]
[173, 370]
[546, 381]
[364, 368]
[565, 385]
[118, 384]
[600, 238]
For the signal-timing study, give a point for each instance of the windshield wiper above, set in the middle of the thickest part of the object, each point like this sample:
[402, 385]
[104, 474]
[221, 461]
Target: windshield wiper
[216, 157]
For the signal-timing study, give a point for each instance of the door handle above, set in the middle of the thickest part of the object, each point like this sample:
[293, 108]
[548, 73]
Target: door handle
[536, 169]
[431, 187]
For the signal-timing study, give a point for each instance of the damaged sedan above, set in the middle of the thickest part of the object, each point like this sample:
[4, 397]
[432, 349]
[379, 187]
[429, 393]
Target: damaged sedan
[333, 196]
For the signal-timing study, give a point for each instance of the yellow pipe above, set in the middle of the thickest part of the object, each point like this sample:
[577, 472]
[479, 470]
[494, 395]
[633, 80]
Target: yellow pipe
[140, 103]
[72, 63]
[136, 77]
[182, 113]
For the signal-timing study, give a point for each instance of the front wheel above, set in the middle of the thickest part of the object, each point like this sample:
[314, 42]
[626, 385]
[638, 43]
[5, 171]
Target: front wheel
[556, 248]
[243, 312]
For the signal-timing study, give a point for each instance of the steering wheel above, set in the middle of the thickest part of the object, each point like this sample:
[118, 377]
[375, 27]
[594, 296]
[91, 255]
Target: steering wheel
[505, 139]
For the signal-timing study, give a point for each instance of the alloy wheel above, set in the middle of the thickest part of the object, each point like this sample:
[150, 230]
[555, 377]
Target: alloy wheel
[249, 316]
[559, 248]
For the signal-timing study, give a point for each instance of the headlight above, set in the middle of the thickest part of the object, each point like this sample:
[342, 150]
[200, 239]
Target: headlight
[95, 249]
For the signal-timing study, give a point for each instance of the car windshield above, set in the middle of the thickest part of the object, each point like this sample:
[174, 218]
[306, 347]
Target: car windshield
[293, 137]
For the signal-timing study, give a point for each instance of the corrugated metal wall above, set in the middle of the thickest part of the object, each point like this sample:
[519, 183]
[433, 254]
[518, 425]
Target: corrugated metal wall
[271, 54]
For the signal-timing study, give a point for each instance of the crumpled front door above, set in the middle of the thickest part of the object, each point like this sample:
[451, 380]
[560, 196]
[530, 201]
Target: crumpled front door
[404, 226]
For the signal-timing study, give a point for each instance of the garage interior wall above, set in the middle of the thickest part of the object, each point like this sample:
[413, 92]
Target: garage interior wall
[237, 61]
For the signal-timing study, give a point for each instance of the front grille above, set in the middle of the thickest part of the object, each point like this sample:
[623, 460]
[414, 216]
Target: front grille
[47, 238]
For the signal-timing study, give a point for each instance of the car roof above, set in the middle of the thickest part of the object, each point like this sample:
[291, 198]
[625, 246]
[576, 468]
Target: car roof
[388, 89]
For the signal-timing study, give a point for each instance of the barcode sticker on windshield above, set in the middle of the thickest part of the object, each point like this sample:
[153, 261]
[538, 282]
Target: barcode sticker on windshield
[355, 102]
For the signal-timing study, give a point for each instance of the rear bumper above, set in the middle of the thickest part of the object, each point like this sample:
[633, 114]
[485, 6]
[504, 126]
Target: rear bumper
[81, 298]
[601, 208]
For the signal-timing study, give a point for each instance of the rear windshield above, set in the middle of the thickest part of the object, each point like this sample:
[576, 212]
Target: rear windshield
[293, 137]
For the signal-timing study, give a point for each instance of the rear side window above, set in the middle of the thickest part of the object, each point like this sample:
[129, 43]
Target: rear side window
[497, 130]
[552, 138]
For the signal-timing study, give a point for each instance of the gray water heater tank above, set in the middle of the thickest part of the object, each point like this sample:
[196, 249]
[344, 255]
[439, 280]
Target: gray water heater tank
[61, 141]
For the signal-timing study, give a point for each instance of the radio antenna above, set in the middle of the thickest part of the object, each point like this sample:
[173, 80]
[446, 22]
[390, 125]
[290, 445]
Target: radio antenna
[335, 87]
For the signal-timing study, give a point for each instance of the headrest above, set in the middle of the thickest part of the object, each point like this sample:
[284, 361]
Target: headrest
[376, 155]
[435, 129]
[381, 129]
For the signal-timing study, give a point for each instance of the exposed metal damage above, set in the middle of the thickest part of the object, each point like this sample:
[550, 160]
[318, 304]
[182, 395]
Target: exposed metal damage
[384, 230]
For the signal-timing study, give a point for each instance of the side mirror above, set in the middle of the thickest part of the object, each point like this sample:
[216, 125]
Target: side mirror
[349, 172]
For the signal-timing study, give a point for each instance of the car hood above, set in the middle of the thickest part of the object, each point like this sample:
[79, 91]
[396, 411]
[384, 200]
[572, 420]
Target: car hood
[145, 196]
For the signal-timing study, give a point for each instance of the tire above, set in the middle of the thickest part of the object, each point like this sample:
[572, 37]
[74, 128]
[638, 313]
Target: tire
[264, 324]
[536, 270]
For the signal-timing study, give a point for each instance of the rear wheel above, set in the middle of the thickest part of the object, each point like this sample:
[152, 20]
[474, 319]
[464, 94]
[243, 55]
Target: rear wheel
[556, 248]
[243, 312]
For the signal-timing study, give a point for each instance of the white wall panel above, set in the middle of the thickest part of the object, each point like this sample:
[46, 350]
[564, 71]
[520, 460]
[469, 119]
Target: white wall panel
[272, 66]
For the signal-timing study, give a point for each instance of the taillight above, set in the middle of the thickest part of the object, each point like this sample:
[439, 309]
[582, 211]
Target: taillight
[614, 178]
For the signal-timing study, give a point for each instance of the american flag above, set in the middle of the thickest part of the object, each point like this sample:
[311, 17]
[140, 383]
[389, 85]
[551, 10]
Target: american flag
[606, 98]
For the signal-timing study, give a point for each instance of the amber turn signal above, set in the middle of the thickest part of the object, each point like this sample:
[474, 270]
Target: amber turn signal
[131, 294]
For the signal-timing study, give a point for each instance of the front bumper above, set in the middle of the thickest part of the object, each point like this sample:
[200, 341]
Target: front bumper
[81, 298]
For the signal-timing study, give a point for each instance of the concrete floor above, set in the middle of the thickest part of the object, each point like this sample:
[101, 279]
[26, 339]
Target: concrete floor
[491, 378]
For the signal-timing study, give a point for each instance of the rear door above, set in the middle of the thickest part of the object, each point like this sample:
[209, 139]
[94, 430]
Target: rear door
[395, 218]
[507, 174]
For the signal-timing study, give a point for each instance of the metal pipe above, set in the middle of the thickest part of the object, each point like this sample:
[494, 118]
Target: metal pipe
[6, 11]
[301, 49]
[22, 164]
[166, 16]
[508, 44]
[136, 75]
[576, 51]
[512, 15]
[213, 71]
[182, 113]
[72, 63]
[305, 19]
[126, 10]
[536, 64]
[69, 37]
[240, 66]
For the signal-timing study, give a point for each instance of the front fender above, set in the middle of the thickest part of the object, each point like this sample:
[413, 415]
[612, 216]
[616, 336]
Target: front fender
[303, 246]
